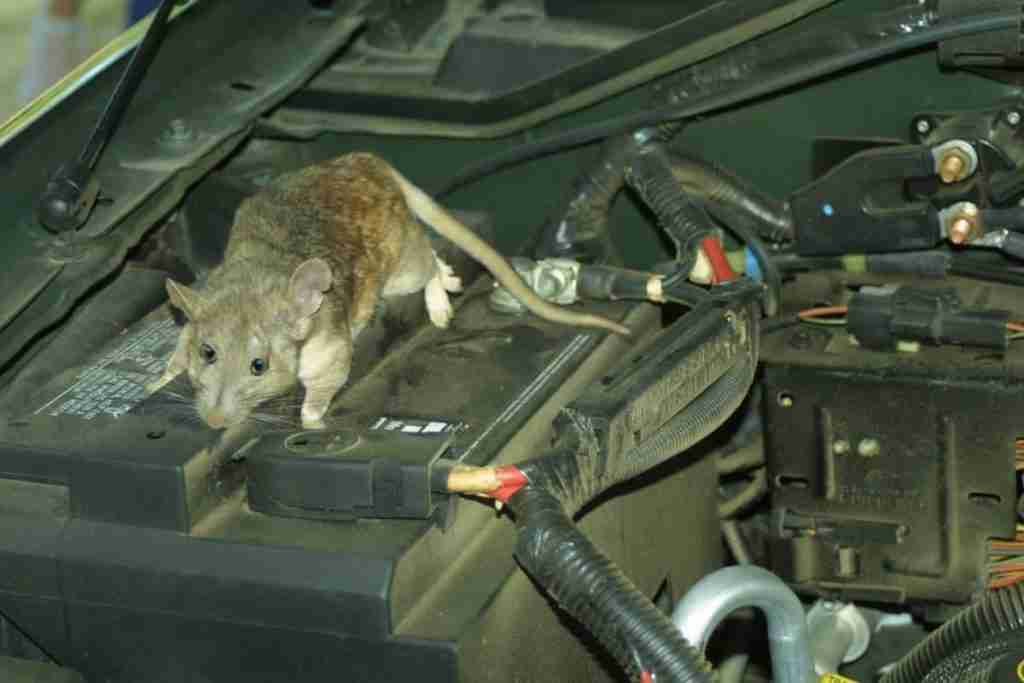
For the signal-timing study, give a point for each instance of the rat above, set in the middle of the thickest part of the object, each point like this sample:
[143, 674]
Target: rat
[308, 259]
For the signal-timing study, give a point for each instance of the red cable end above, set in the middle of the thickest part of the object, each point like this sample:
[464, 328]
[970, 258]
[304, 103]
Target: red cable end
[646, 677]
[512, 479]
[720, 267]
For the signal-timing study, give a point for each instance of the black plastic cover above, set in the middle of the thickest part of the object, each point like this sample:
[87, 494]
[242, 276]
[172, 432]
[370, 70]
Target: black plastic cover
[344, 474]
[860, 206]
[889, 471]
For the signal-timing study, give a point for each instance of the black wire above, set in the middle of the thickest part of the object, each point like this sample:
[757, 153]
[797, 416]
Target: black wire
[984, 23]
[961, 268]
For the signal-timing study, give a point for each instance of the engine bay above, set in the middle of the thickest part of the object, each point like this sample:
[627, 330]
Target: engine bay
[802, 464]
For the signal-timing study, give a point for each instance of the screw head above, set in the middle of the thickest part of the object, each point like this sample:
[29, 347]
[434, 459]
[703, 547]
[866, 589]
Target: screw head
[178, 131]
[801, 340]
[923, 126]
[828, 210]
[1013, 117]
[841, 447]
[869, 448]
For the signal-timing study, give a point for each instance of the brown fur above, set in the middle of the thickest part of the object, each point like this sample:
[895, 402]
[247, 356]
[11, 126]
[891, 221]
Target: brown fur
[348, 212]
[308, 259]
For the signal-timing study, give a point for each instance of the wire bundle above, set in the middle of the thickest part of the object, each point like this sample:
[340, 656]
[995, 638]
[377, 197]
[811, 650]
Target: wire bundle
[835, 316]
[1006, 558]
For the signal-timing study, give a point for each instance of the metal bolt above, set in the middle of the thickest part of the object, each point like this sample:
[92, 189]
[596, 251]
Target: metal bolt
[964, 225]
[828, 210]
[785, 400]
[960, 231]
[923, 126]
[952, 168]
[178, 131]
[869, 448]
[841, 447]
[1013, 117]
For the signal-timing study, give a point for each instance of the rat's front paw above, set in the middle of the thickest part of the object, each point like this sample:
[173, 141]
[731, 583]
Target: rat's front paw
[313, 424]
[313, 418]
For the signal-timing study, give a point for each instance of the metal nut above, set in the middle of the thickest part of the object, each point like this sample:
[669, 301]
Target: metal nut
[954, 160]
[178, 132]
[869, 448]
[923, 126]
[1013, 117]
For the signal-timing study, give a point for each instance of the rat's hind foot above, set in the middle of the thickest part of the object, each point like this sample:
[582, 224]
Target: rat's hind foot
[439, 307]
[449, 280]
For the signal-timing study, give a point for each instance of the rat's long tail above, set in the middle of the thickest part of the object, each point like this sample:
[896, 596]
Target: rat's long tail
[434, 215]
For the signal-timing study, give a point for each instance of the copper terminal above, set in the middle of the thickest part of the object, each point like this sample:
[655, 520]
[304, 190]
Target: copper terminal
[960, 231]
[953, 167]
[965, 225]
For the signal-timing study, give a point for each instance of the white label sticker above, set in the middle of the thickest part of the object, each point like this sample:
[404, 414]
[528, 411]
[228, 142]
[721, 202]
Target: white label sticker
[416, 426]
[116, 383]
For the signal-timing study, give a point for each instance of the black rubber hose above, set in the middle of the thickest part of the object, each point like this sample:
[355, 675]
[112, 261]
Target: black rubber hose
[587, 585]
[685, 222]
[981, 271]
[1011, 218]
[714, 184]
[1013, 245]
[715, 102]
[608, 283]
[580, 229]
[567, 565]
[998, 612]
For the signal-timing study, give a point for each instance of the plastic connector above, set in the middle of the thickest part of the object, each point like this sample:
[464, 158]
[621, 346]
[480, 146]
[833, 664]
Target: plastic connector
[884, 318]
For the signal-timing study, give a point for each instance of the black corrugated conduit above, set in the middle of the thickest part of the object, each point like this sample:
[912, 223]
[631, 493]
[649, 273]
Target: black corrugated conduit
[664, 181]
[985, 631]
[568, 566]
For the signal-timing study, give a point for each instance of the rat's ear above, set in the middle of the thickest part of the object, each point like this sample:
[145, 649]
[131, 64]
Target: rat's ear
[306, 288]
[184, 298]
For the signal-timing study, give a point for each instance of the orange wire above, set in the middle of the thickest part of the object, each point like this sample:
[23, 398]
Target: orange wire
[1005, 581]
[829, 311]
[826, 311]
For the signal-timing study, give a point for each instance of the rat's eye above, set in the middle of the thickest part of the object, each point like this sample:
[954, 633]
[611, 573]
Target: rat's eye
[259, 366]
[208, 354]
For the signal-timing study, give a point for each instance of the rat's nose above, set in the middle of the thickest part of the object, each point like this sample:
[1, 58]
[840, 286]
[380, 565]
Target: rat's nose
[215, 419]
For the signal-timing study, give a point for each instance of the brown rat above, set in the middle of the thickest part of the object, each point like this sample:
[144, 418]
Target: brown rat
[307, 261]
